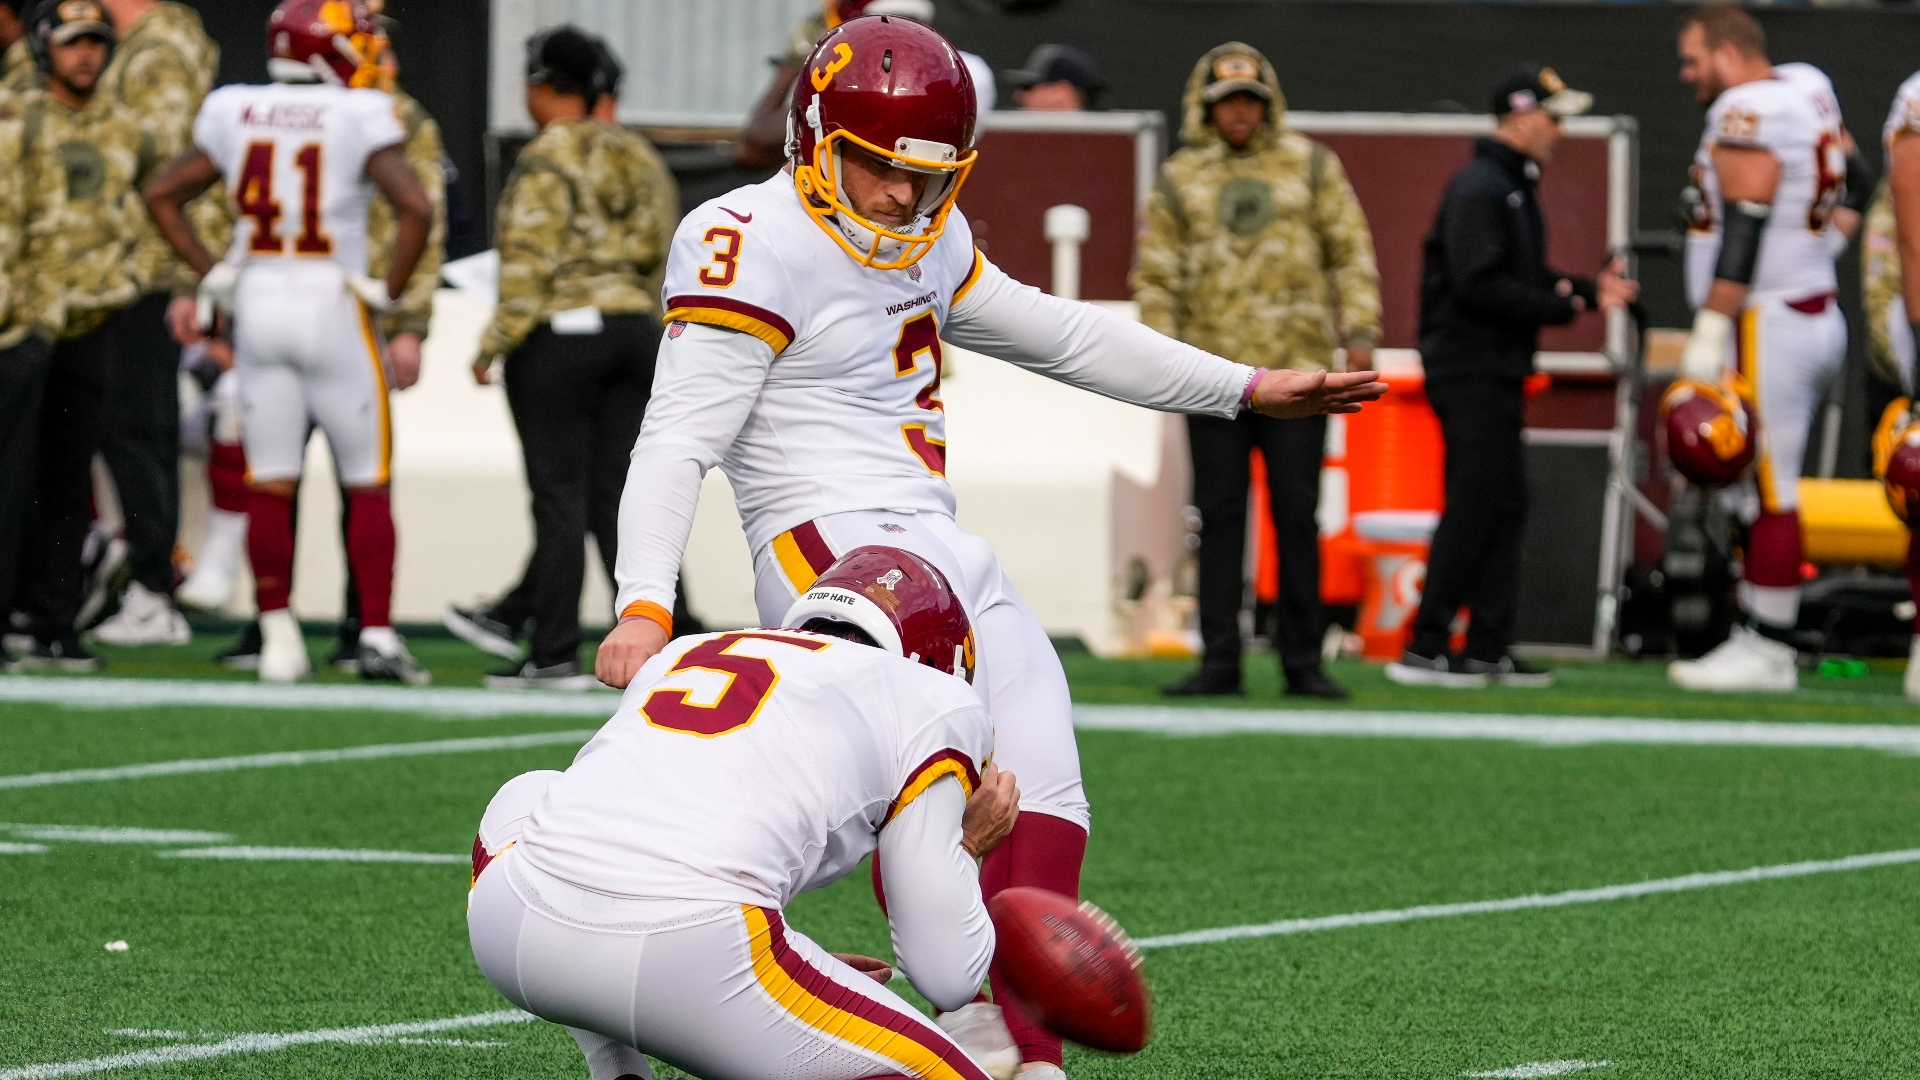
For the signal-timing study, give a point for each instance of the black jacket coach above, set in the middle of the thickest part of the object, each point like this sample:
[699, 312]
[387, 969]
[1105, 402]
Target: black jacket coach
[1486, 288]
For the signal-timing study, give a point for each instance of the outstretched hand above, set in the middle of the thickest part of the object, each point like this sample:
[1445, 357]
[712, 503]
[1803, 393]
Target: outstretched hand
[1292, 394]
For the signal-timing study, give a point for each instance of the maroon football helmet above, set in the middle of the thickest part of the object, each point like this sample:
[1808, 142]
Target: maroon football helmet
[840, 11]
[335, 41]
[1896, 458]
[898, 599]
[900, 92]
[1709, 432]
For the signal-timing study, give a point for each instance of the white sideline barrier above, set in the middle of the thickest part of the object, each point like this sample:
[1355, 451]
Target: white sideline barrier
[1068, 486]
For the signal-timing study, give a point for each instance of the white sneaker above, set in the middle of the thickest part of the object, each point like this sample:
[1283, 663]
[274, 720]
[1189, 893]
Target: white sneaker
[1913, 671]
[1747, 660]
[144, 618]
[982, 1032]
[283, 650]
[216, 564]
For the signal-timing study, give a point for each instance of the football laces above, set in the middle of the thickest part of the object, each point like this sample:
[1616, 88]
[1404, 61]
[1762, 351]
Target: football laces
[1112, 930]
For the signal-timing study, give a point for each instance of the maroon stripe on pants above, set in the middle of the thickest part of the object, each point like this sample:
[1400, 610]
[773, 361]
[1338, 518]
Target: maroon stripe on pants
[819, 984]
[813, 547]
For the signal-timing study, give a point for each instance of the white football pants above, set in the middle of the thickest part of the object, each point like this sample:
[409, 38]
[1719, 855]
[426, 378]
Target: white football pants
[723, 991]
[1788, 356]
[1018, 674]
[308, 352]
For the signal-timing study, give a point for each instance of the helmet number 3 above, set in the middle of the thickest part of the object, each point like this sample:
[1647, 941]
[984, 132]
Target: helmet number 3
[750, 682]
[725, 242]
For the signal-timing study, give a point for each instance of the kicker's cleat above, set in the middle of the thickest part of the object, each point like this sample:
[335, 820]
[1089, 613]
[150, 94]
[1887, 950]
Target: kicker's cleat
[981, 1031]
[1413, 669]
[1747, 660]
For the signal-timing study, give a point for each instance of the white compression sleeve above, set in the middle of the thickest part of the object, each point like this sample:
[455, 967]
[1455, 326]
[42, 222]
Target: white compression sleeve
[1089, 347]
[704, 385]
[941, 934]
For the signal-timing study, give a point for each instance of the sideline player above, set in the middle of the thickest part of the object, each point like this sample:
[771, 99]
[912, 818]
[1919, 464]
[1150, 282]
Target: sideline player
[806, 320]
[1892, 285]
[302, 158]
[772, 762]
[1770, 169]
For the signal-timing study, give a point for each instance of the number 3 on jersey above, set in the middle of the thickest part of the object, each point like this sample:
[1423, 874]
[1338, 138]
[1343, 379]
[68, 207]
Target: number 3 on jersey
[920, 336]
[725, 243]
[255, 199]
[750, 682]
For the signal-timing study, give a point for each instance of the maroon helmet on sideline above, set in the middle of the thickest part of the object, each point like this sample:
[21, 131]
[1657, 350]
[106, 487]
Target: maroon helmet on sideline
[898, 599]
[900, 92]
[334, 41]
[1709, 432]
[1896, 458]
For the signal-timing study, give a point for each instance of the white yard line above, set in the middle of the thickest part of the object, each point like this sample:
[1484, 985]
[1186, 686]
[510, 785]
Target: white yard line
[452, 702]
[1538, 730]
[299, 854]
[1541, 1068]
[294, 757]
[260, 1044]
[113, 834]
[1684, 883]
[22, 849]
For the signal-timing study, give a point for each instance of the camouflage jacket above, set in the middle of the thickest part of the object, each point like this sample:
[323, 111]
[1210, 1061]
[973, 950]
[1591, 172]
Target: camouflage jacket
[18, 72]
[1880, 284]
[1261, 254]
[162, 69]
[105, 156]
[585, 219]
[31, 205]
[414, 310]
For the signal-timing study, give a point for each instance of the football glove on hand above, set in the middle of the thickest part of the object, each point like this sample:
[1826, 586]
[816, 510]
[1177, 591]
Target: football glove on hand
[215, 293]
[371, 291]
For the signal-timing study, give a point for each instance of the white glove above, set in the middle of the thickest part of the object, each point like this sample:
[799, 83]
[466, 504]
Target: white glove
[215, 293]
[1706, 353]
[372, 292]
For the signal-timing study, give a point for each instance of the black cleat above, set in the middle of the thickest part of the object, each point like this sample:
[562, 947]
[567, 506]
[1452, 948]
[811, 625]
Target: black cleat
[64, 653]
[478, 628]
[1413, 669]
[244, 653]
[1510, 671]
[1207, 682]
[565, 675]
[1312, 681]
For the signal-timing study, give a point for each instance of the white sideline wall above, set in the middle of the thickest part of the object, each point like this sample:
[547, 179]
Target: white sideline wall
[1068, 486]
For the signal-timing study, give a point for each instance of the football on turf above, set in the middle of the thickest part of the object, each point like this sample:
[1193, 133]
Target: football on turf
[1073, 967]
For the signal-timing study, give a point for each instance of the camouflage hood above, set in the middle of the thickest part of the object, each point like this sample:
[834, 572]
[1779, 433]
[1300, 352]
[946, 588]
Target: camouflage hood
[1196, 132]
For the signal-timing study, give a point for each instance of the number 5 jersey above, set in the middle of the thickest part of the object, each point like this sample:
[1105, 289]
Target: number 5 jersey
[294, 157]
[745, 767]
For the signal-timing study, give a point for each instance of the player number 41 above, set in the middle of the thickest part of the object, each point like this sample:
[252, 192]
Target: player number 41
[254, 198]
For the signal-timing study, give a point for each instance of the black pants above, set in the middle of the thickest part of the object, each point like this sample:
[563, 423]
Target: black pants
[140, 439]
[23, 384]
[1475, 560]
[1293, 450]
[71, 412]
[577, 401]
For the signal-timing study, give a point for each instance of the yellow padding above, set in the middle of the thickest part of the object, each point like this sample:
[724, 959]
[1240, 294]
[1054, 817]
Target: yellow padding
[1848, 521]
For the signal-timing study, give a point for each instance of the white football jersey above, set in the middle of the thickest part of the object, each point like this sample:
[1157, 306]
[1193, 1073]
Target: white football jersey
[850, 416]
[1904, 117]
[745, 767]
[1797, 119]
[295, 161]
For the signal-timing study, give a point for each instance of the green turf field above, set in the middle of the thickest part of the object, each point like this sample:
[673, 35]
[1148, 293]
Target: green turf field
[301, 968]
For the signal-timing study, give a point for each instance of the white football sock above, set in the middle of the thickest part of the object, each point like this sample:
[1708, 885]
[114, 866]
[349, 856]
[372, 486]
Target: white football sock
[381, 638]
[1772, 605]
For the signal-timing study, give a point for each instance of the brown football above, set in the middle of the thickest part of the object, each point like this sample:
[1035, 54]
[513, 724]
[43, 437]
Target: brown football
[1073, 967]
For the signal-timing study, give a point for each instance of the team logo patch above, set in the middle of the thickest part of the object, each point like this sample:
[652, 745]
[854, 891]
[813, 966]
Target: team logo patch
[888, 526]
[914, 271]
[676, 329]
[1235, 67]
[890, 579]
